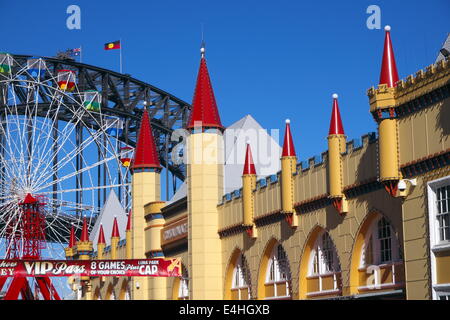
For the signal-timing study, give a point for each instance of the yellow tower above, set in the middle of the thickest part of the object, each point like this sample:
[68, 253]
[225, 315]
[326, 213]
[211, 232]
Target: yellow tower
[336, 146]
[157, 285]
[248, 199]
[128, 245]
[288, 169]
[382, 107]
[84, 249]
[145, 188]
[205, 188]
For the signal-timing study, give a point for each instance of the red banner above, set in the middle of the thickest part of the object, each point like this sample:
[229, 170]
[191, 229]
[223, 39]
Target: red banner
[91, 268]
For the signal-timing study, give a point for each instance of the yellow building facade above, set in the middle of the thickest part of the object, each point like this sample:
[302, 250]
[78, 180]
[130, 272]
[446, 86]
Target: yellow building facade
[366, 220]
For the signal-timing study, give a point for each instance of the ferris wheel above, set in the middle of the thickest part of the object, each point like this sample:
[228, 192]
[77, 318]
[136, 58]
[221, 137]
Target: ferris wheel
[58, 149]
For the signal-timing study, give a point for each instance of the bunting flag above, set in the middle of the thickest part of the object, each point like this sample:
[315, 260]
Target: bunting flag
[112, 45]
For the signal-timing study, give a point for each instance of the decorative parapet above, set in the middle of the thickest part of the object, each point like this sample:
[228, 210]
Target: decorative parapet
[426, 164]
[415, 92]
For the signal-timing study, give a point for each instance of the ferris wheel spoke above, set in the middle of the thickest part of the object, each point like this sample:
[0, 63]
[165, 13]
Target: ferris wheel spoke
[74, 153]
[75, 173]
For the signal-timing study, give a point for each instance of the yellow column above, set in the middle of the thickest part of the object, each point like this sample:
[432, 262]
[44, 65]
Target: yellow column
[114, 246]
[128, 251]
[84, 251]
[336, 146]
[145, 188]
[382, 105]
[248, 202]
[205, 188]
[157, 285]
[288, 168]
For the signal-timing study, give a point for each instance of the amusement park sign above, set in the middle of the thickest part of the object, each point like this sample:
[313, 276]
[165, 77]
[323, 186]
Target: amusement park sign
[91, 268]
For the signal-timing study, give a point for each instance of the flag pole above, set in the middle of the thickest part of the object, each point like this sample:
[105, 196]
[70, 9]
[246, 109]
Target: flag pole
[81, 54]
[120, 55]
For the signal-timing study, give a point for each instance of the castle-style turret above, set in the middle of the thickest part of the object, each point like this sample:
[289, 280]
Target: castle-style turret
[71, 249]
[84, 249]
[205, 157]
[336, 146]
[101, 243]
[248, 199]
[383, 109]
[146, 188]
[115, 238]
[128, 248]
[288, 168]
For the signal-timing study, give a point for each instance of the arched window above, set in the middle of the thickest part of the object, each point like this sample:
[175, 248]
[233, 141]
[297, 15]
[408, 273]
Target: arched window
[324, 277]
[380, 264]
[381, 245]
[183, 290]
[278, 276]
[240, 287]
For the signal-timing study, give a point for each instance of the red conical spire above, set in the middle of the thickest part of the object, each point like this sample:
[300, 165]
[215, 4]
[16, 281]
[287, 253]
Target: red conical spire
[72, 239]
[204, 106]
[389, 74]
[101, 236]
[145, 154]
[115, 229]
[249, 165]
[84, 231]
[129, 222]
[336, 126]
[288, 145]
[29, 199]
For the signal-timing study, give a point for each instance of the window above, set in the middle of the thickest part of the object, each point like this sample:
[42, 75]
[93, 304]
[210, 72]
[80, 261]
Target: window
[381, 246]
[278, 274]
[324, 270]
[443, 213]
[241, 279]
[384, 238]
[183, 290]
[438, 192]
[278, 265]
[324, 256]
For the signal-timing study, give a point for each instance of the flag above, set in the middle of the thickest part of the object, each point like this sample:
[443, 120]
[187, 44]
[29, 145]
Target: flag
[112, 45]
[74, 52]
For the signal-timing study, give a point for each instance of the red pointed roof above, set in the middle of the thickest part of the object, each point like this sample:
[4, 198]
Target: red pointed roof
[115, 229]
[129, 221]
[101, 236]
[84, 232]
[249, 165]
[288, 145]
[336, 126]
[389, 74]
[204, 106]
[29, 199]
[72, 239]
[145, 154]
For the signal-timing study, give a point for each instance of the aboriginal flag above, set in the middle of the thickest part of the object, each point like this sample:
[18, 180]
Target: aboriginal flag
[112, 45]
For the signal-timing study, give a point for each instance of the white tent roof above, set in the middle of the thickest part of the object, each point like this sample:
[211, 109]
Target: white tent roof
[111, 208]
[266, 154]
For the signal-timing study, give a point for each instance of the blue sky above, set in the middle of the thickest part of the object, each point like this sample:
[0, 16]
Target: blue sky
[272, 59]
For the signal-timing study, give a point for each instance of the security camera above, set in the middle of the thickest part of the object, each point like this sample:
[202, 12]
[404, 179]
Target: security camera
[402, 185]
[137, 285]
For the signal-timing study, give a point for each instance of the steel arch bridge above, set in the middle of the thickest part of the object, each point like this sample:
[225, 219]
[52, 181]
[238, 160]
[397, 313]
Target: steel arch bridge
[120, 96]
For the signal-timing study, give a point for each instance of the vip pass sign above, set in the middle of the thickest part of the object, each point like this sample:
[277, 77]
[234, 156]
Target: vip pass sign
[91, 268]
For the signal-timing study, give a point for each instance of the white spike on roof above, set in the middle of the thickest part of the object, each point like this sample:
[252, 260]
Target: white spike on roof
[111, 208]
